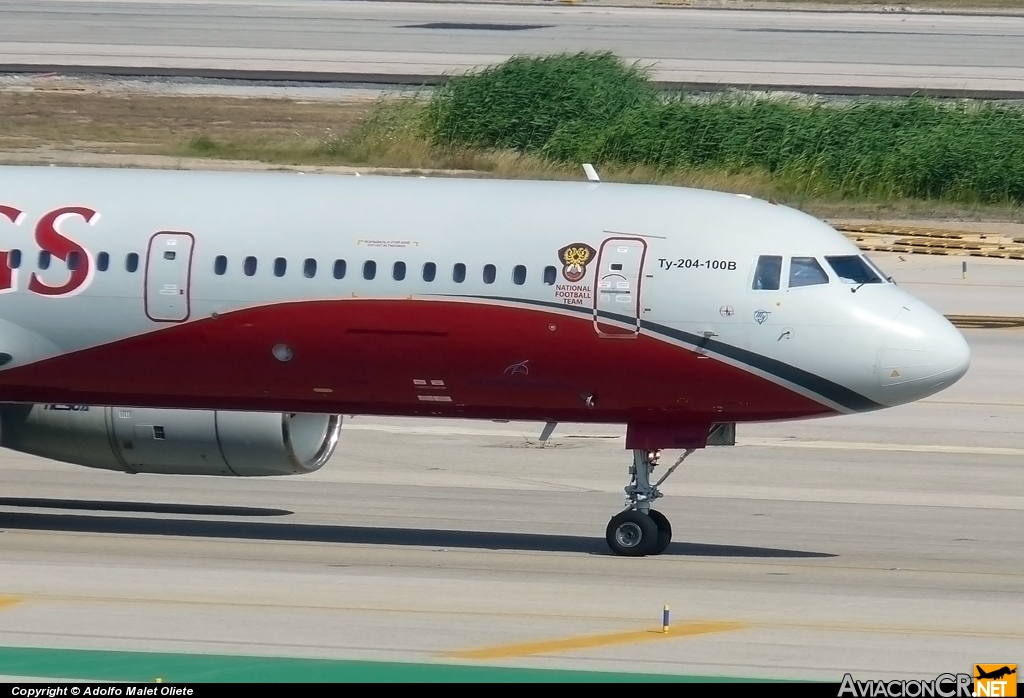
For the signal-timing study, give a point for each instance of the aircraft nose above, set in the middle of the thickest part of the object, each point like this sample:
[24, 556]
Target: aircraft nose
[922, 353]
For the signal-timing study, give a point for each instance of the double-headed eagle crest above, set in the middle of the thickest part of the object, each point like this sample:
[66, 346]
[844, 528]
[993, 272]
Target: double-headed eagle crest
[575, 258]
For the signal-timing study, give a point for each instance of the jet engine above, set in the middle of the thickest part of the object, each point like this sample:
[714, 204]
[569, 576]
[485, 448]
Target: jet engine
[172, 442]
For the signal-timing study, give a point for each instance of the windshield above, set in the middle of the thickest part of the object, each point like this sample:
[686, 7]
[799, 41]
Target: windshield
[805, 271]
[852, 269]
[878, 269]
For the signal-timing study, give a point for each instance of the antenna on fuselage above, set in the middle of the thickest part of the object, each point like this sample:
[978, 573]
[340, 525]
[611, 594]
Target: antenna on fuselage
[591, 172]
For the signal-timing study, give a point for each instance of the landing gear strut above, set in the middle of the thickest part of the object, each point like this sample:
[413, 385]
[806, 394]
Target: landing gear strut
[639, 530]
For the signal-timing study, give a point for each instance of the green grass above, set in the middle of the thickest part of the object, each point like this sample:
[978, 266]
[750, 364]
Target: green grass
[203, 144]
[571, 109]
[524, 103]
[541, 118]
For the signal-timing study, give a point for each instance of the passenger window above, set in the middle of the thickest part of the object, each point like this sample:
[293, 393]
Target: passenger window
[768, 274]
[220, 265]
[519, 275]
[14, 259]
[398, 271]
[131, 262]
[853, 270]
[170, 254]
[459, 273]
[805, 271]
[44, 259]
[309, 268]
[102, 261]
[490, 273]
[429, 271]
[249, 266]
[369, 270]
[550, 275]
[74, 259]
[339, 268]
[280, 266]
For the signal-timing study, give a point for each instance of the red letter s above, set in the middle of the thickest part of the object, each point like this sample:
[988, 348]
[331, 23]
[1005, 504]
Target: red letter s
[49, 239]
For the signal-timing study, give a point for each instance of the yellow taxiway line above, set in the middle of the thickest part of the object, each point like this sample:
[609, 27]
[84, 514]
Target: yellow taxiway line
[587, 641]
[7, 601]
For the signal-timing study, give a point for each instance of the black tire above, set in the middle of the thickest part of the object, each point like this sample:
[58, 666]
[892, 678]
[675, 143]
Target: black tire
[664, 532]
[632, 534]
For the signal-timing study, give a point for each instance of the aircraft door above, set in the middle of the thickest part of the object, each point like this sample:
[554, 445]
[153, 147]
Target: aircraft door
[620, 265]
[168, 277]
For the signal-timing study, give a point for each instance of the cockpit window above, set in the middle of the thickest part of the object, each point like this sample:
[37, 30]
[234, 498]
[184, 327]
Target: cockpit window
[805, 271]
[877, 269]
[853, 270]
[768, 273]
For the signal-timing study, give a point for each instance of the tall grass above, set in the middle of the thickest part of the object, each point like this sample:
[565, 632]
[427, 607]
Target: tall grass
[593, 108]
[525, 102]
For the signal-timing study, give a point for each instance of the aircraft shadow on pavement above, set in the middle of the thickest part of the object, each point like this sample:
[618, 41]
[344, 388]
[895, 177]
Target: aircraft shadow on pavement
[140, 507]
[319, 533]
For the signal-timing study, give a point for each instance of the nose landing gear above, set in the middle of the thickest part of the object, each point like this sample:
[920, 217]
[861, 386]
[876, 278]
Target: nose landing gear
[640, 530]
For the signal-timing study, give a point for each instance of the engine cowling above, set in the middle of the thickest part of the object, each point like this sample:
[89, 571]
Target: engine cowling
[172, 442]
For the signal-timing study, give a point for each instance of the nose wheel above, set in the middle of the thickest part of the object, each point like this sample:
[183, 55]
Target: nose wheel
[640, 530]
[664, 531]
[632, 533]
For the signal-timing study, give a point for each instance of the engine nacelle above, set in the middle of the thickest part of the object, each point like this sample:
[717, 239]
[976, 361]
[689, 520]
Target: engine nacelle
[172, 442]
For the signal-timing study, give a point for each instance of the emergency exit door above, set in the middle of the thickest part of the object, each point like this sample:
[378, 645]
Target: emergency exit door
[617, 309]
[168, 277]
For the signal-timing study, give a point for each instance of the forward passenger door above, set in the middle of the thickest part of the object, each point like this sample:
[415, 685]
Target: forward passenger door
[617, 309]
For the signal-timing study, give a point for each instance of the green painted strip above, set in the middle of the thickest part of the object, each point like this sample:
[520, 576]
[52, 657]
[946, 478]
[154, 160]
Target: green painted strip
[147, 667]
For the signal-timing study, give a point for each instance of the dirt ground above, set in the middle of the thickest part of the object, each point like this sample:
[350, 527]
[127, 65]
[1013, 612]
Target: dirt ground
[79, 120]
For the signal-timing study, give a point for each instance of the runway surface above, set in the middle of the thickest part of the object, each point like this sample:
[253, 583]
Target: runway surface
[361, 41]
[887, 545]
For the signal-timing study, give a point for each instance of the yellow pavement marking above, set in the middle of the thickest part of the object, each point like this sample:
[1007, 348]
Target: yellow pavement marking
[6, 601]
[585, 641]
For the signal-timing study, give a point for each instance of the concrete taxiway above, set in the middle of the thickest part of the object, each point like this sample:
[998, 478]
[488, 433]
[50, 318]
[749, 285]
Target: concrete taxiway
[884, 544]
[851, 52]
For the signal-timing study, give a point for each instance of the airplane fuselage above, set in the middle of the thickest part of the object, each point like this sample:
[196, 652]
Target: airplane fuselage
[441, 297]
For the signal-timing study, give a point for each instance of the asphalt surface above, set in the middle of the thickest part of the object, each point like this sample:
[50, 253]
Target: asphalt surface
[838, 52]
[885, 544]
